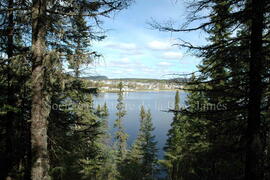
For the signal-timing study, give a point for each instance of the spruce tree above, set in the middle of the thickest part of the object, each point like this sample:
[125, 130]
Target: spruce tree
[173, 142]
[223, 121]
[59, 35]
[142, 160]
[105, 109]
[99, 110]
[79, 147]
[14, 72]
[149, 161]
[120, 135]
[133, 162]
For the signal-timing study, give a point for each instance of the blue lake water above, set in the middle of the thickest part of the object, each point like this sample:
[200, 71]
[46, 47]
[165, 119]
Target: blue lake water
[157, 101]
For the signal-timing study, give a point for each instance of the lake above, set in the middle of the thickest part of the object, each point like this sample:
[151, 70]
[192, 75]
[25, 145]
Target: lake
[157, 101]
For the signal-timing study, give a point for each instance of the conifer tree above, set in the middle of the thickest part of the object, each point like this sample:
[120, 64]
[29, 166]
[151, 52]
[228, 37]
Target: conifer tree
[79, 146]
[223, 90]
[173, 142]
[42, 16]
[149, 161]
[141, 162]
[105, 109]
[59, 34]
[99, 110]
[120, 135]
[102, 111]
[14, 73]
[133, 162]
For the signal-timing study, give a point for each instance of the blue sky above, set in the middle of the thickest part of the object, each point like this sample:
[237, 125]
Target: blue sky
[133, 50]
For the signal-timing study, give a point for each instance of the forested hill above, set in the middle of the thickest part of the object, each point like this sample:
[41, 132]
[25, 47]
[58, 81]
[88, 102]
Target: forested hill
[136, 84]
[96, 77]
[178, 80]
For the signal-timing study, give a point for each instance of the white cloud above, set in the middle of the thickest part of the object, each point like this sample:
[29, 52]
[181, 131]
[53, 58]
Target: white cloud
[164, 64]
[125, 64]
[118, 71]
[160, 45]
[147, 69]
[129, 70]
[124, 60]
[122, 46]
[121, 63]
[172, 55]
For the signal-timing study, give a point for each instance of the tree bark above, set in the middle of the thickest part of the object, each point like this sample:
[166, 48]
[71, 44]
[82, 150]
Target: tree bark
[39, 111]
[254, 145]
[10, 117]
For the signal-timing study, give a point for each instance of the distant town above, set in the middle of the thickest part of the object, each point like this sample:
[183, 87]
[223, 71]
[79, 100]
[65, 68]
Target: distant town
[103, 84]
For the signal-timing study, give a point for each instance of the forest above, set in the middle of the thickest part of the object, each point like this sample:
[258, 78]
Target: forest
[222, 133]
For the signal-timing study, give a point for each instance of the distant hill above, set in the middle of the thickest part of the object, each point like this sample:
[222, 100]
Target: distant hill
[96, 77]
[179, 80]
[132, 79]
[136, 79]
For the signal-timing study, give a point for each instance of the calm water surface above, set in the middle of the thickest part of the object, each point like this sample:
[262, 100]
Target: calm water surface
[157, 102]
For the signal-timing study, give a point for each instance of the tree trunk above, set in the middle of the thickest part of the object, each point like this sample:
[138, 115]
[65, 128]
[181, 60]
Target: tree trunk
[174, 171]
[10, 117]
[39, 112]
[254, 144]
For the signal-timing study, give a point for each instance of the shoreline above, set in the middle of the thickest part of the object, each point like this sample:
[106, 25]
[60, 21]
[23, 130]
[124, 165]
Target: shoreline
[140, 90]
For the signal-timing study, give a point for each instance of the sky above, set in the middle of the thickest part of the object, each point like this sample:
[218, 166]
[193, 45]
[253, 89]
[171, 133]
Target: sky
[133, 49]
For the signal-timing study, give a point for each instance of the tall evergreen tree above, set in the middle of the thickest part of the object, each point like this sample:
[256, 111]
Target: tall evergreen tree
[133, 163]
[149, 161]
[141, 162]
[14, 70]
[173, 142]
[223, 92]
[253, 168]
[120, 135]
[59, 34]
[105, 109]
[40, 110]
[79, 145]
